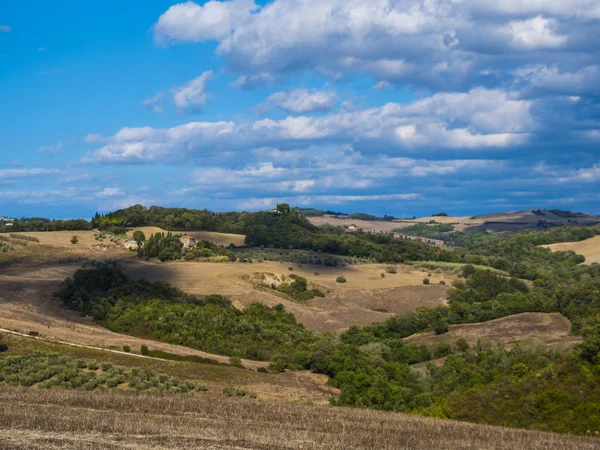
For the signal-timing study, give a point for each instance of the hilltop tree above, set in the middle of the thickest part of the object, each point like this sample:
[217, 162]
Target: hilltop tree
[283, 208]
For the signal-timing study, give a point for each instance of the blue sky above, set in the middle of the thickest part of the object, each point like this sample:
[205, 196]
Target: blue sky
[388, 107]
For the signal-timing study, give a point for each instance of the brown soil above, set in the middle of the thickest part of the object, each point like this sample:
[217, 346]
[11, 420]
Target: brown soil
[549, 328]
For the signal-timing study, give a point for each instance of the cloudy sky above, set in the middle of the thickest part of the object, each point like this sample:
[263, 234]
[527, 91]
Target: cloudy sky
[381, 106]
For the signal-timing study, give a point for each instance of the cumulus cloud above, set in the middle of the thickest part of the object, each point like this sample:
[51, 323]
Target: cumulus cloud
[480, 118]
[301, 100]
[191, 97]
[192, 22]
[436, 44]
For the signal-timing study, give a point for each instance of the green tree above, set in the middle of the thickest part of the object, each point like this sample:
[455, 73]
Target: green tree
[139, 236]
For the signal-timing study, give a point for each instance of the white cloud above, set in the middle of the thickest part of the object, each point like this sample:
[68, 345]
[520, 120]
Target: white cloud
[431, 43]
[110, 192]
[192, 97]
[52, 149]
[382, 85]
[301, 100]
[191, 22]
[480, 118]
[585, 175]
[535, 79]
[153, 103]
[534, 33]
[22, 173]
[5, 29]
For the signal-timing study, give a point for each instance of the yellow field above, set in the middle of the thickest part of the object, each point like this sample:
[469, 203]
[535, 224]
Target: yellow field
[216, 238]
[590, 248]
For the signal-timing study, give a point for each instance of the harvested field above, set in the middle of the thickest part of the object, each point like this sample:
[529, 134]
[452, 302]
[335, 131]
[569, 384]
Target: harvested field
[39, 419]
[63, 238]
[224, 239]
[365, 297]
[590, 248]
[550, 328]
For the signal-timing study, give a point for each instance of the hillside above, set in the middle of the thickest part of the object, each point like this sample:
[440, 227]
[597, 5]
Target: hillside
[80, 420]
[589, 248]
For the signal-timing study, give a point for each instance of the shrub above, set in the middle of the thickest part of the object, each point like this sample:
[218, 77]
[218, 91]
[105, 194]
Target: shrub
[383, 275]
[462, 345]
[340, 279]
[80, 364]
[144, 349]
[442, 282]
[126, 348]
[74, 240]
[425, 280]
[391, 269]
[92, 365]
[105, 366]
[236, 361]
[441, 327]
[290, 268]
[317, 273]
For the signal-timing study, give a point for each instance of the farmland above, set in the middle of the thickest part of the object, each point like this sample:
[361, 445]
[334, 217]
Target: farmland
[79, 420]
[590, 248]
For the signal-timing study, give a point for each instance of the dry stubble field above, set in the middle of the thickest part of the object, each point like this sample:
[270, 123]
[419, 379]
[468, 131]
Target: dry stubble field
[38, 419]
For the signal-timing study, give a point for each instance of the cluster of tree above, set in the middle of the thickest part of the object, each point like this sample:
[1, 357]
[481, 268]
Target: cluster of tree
[159, 311]
[297, 289]
[39, 224]
[435, 231]
[168, 247]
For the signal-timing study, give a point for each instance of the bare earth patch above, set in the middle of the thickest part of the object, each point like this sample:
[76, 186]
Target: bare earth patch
[550, 328]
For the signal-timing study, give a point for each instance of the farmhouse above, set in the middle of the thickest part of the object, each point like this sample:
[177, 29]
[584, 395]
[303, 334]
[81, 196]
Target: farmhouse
[131, 245]
[187, 241]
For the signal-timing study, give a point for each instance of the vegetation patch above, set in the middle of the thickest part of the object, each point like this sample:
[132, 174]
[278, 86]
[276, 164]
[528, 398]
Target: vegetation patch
[49, 371]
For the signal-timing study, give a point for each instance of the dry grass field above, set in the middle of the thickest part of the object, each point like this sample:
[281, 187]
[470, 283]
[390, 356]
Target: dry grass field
[39, 419]
[363, 299]
[224, 239]
[549, 328]
[590, 248]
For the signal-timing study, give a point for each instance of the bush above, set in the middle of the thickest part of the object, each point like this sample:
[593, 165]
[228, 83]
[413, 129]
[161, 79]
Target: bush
[92, 365]
[340, 279]
[105, 366]
[425, 280]
[290, 268]
[126, 348]
[383, 275]
[391, 269]
[236, 361]
[442, 282]
[80, 364]
[441, 327]
[144, 349]
[74, 240]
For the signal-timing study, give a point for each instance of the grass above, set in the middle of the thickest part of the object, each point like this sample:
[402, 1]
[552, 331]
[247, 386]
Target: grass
[454, 266]
[75, 420]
